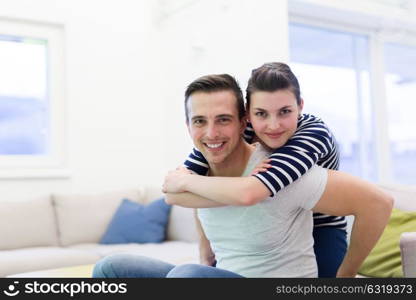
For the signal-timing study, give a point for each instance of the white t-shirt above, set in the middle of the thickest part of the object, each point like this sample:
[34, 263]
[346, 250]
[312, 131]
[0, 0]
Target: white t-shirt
[272, 238]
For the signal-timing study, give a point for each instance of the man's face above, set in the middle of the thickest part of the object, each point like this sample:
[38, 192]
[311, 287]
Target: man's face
[214, 125]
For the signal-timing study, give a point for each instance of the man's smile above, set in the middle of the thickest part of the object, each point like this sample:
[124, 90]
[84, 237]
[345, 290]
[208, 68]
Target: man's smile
[213, 147]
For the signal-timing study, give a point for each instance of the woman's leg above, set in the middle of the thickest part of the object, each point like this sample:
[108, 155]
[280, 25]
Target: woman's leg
[200, 271]
[330, 248]
[130, 266]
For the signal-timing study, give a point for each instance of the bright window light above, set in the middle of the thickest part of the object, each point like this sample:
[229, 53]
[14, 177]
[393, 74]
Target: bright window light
[24, 107]
[400, 82]
[333, 72]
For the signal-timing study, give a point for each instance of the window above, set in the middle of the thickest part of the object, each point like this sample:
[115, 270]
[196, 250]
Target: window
[32, 115]
[23, 97]
[362, 84]
[400, 80]
[333, 72]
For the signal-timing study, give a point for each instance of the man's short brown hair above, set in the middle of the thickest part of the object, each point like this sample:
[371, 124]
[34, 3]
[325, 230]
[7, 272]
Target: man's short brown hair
[216, 83]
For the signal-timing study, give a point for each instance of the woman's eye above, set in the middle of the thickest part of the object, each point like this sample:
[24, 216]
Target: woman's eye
[285, 111]
[260, 114]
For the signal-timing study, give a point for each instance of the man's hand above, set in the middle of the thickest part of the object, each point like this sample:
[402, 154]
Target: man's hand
[174, 180]
[340, 274]
[206, 255]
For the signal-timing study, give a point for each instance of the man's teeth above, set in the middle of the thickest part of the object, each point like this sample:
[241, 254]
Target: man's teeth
[214, 145]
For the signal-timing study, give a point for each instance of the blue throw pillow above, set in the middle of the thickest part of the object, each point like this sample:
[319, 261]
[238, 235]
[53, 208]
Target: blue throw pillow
[137, 223]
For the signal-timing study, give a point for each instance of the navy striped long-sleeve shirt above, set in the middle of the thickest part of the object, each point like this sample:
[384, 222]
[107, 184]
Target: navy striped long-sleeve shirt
[312, 143]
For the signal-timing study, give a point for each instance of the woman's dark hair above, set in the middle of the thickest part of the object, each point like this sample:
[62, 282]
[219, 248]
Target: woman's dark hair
[216, 83]
[272, 77]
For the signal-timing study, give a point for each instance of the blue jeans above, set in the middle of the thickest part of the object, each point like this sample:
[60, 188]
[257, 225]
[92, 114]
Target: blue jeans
[330, 248]
[136, 266]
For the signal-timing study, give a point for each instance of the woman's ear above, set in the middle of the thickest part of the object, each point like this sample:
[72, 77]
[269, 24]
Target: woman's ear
[300, 106]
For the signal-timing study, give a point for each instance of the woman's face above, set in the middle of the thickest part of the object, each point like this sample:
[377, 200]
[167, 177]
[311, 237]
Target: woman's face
[274, 116]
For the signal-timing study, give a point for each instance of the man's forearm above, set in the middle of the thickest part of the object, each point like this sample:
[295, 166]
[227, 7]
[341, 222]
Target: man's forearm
[366, 231]
[190, 200]
[348, 195]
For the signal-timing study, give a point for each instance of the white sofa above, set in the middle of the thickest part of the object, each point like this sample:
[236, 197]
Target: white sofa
[64, 230]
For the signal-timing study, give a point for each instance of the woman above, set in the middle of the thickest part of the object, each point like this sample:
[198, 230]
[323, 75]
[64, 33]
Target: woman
[299, 141]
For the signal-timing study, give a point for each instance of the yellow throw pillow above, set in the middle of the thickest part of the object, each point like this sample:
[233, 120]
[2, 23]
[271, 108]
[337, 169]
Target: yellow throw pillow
[384, 260]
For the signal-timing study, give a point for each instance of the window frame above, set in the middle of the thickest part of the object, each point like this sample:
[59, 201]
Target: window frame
[53, 165]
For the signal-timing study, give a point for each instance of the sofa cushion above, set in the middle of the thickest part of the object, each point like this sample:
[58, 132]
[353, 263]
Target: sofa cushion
[408, 250]
[181, 226]
[84, 218]
[174, 252]
[78, 271]
[138, 223]
[385, 260]
[27, 224]
[41, 258]
[404, 195]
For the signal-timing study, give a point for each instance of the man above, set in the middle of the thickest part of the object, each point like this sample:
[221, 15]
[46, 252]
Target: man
[248, 239]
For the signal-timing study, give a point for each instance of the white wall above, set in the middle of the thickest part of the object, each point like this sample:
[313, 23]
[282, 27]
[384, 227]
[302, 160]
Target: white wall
[207, 37]
[127, 65]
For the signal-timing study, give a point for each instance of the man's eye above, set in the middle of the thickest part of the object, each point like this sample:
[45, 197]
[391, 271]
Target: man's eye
[285, 111]
[224, 120]
[198, 122]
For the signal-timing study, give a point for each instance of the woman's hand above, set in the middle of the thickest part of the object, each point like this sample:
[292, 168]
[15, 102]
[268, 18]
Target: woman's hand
[262, 166]
[174, 180]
